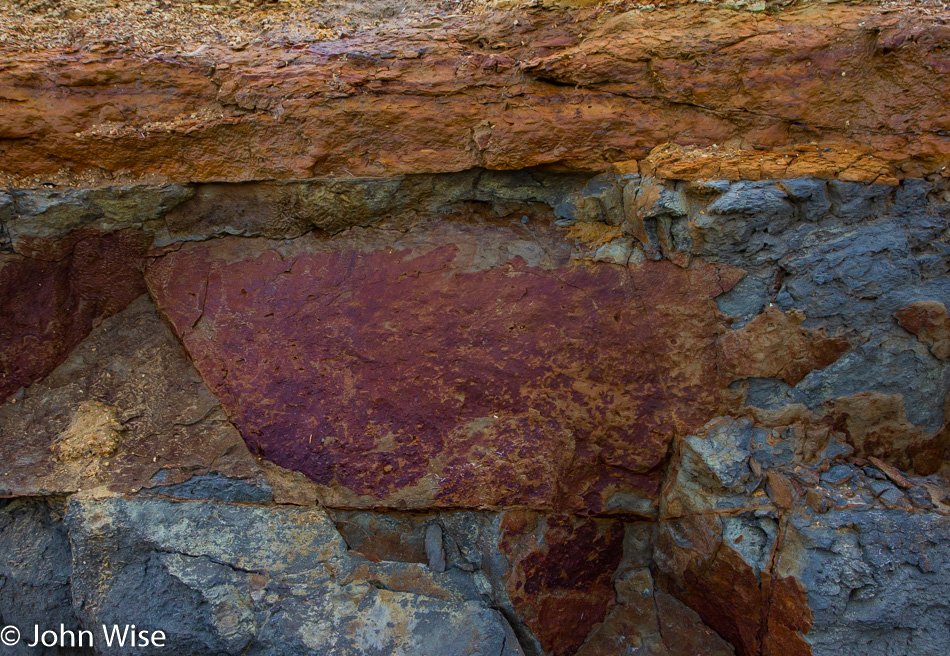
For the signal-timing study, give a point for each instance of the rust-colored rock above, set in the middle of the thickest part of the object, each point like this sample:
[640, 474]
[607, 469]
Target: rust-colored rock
[504, 89]
[852, 164]
[48, 306]
[876, 425]
[462, 364]
[714, 580]
[126, 411]
[775, 345]
[651, 622]
[561, 571]
[930, 322]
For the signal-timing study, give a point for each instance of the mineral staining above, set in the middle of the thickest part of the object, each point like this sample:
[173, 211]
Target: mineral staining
[464, 364]
[554, 329]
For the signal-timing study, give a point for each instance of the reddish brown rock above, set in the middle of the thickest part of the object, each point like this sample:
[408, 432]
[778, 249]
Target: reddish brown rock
[561, 571]
[930, 322]
[787, 617]
[462, 364]
[775, 345]
[874, 424]
[712, 579]
[853, 164]
[391, 536]
[704, 563]
[49, 306]
[877, 425]
[126, 411]
[531, 86]
[649, 621]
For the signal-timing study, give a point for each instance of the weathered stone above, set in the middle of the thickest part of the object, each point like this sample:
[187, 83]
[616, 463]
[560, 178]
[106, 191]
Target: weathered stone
[126, 410]
[837, 475]
[516, 88]
[721, 568]
[875, 579]
[35, 571]
[384, 536]
[774, 345]
[434, 549]
[877, 426]
[649, 621]
[561, 570]
[218, 577]
[929, 321]
[855, 164]
[744, 566]
[442, 348]
[48, 307]
[566, 387]
[45, 222]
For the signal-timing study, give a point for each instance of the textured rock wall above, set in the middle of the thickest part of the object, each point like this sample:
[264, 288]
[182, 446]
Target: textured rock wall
[547, 329]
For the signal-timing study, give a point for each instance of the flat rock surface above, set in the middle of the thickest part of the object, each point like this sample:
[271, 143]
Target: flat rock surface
[467, 364]
[126, 410]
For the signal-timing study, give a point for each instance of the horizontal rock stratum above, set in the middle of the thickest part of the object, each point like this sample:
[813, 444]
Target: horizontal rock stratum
[450, 328]
[541, 84]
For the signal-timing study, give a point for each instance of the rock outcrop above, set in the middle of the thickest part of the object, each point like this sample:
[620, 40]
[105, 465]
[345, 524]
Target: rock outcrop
[543, 328]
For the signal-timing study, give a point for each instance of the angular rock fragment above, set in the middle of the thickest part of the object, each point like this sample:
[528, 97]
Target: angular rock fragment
[219, 577]
[774, 345]
[929, 321]
[128, 411]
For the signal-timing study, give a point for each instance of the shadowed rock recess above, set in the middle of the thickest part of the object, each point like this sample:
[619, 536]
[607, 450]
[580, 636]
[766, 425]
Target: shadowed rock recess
[439, 328]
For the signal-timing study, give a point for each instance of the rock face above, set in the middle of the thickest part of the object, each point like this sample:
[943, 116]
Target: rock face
[548, 329]
[461, 364]
[251, 589]
[784, 552]
[497, 88]
[126, 410]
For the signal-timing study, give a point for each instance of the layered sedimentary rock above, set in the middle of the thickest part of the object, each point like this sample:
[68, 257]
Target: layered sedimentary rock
[554, 328]
[503, 88]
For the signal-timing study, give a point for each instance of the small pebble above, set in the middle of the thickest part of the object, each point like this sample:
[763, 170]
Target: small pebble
[880, 487]
[837, 475]
[893, 497]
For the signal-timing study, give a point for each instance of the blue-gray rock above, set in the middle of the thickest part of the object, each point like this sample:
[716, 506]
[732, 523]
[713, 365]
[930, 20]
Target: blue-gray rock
[837, 475]
[35, 571]
[217, 486]
[877, 581]
[242, 579]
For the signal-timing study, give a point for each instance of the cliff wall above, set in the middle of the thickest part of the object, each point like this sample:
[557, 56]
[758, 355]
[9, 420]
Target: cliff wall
[461, 328]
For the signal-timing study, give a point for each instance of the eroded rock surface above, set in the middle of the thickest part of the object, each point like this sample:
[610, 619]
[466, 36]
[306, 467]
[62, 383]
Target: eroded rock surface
[785, 544]
[623, 408]
[466, 363]
[546, 328]
[577, 84]
[253, 587]
[126, 410]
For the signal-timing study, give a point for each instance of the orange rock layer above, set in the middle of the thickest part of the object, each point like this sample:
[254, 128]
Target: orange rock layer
[553, 86]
